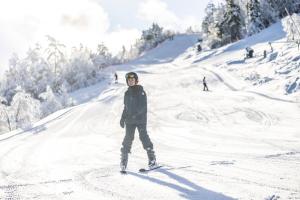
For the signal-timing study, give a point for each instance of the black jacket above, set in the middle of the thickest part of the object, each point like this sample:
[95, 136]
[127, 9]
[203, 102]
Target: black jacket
[135, 106]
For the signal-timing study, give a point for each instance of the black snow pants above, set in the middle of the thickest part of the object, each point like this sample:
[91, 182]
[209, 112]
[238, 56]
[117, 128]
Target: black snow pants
[129, 137]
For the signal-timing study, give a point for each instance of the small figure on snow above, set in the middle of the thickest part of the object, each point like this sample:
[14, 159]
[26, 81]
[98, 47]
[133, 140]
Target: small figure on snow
[135, 116]
[116, 77]
[199, 48]
[249, 52]
[265, 53]
[205, 88]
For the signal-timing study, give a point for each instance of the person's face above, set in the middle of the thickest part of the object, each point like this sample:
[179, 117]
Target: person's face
[131, 81]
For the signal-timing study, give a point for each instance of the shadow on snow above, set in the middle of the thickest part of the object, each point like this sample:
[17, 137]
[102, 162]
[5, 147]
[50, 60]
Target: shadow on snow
[195, 191]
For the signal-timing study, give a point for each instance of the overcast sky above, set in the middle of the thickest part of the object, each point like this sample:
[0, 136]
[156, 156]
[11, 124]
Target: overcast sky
[90, 22]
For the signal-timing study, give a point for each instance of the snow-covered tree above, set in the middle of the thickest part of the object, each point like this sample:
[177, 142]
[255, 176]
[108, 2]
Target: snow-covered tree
[269, 15]
[209, 19]
[280, 5]
[26, 109]
[80, 70]
[31, 73]
[5, 117]
[123, 55]
[231, 26]
[254, 18]
[212, 32]
[50, 102]
[102, 57]
[56, 57]
[152, 37]
[291, 26]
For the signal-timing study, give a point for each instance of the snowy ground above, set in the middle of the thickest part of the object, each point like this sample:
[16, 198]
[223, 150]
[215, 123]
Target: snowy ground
[238, 141]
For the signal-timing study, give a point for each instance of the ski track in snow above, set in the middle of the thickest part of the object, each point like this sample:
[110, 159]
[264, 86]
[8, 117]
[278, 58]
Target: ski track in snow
[229, 143]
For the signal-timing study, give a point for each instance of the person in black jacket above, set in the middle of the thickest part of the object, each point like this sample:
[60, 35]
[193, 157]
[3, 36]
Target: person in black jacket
[135, 116]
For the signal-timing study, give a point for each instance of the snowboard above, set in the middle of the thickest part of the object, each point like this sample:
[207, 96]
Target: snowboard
[145, 170]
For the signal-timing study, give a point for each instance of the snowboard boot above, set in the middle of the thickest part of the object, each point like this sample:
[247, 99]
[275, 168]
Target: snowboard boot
[151, 158]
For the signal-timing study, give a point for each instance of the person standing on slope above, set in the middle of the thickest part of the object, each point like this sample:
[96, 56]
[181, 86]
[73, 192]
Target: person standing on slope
[116, 78]
[134, 116]
[205, 88]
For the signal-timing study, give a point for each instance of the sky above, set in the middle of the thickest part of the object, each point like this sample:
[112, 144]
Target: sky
[89, 22]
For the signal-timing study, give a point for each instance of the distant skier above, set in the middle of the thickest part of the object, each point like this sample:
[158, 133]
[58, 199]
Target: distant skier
[249, 52]
[135, 116]
[116, 77]
[199, 48]
[205, 88]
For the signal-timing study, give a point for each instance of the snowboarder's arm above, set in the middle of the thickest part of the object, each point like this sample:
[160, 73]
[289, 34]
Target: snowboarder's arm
[124, 111]
[143, 108]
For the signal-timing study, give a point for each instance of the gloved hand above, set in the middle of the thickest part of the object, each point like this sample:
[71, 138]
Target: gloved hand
[122, 123]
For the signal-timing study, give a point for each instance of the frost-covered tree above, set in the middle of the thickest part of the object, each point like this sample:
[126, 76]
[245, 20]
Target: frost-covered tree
[123, 55]
[80, 71]
[31, 73]
[254, 18]
[212, 32]
[39, 72]
[152, 37]
[209, 19]
[5, 116]
[269, 15]
[56, 55]
[26, 109]
[102, 57]
[291, 26]
[231, 26]
[49, 102]
[280, 5]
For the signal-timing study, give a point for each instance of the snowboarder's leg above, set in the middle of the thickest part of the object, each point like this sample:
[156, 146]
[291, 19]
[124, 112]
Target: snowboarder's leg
[126, 144]
[205, 87]
[147, 144]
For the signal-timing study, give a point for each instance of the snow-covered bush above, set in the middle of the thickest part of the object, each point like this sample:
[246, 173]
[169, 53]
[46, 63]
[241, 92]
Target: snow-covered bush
[293, 86]
[49, 102]
[25, 109]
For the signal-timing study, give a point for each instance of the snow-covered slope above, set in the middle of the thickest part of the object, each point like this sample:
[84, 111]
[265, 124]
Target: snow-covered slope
[278, 73]
[238, 141]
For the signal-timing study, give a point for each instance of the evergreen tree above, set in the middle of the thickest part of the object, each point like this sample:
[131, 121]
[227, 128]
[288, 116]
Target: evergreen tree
[269, 14]
[254, 18]
[232, 24]
[152, 37]
[209, 18]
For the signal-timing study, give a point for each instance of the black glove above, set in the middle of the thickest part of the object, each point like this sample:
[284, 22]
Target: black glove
[122, 123]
